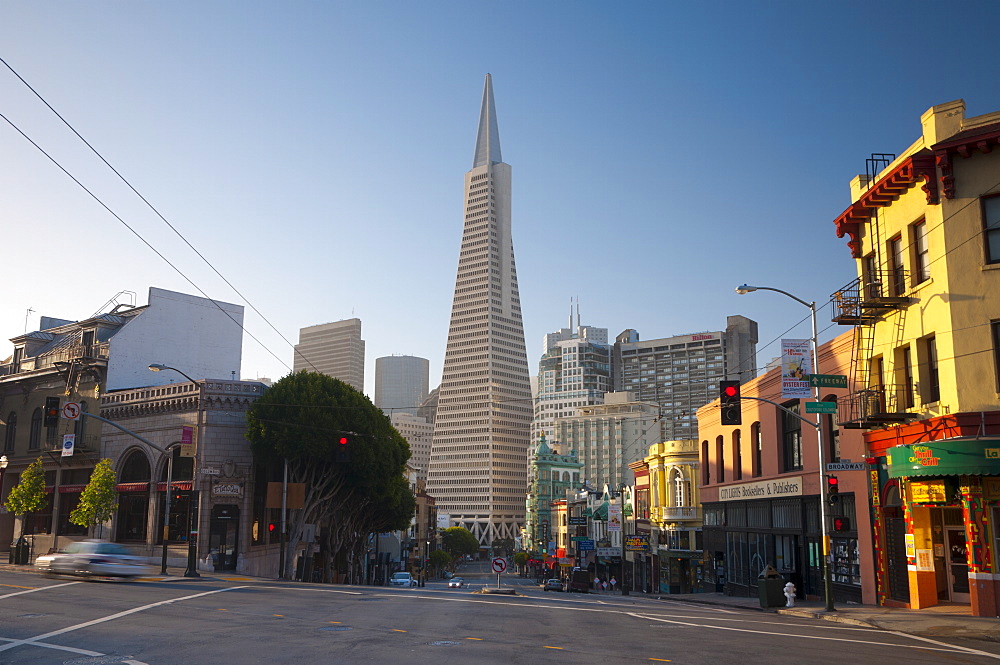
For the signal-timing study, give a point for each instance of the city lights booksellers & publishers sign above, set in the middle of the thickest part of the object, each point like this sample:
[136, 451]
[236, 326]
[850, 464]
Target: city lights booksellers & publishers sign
[764, 489]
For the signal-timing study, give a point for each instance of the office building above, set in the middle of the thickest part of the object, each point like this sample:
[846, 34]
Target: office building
[401, 383]
[335, 349]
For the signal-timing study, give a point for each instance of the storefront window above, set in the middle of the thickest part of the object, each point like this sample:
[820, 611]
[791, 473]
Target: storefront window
[846, 561]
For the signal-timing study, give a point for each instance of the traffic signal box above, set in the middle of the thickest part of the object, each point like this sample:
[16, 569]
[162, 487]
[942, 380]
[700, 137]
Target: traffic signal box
[832, 489]
[51, 415]
[343, 452]
[729, 399]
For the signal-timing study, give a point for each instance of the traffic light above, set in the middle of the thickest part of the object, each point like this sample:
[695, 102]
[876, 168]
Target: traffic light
[51, 417]
[841, 524]
[729, 398]
[271, 527]
[832, 489]
[343, 447]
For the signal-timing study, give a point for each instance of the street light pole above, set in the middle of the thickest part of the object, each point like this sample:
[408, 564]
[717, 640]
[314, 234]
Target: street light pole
[823, 497]
[192, 558]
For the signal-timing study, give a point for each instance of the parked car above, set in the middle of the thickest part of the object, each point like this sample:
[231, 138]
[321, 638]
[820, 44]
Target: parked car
[456, 583]
[402, 579]
[94, 558]
[552, 585]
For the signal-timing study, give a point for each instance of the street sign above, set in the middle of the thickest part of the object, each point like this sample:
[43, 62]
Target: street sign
[828, 380]
[71, 411]
[209, 471]
[846, 466]
[585, 545]
[499, 565]
[578, 539]
[577, 521]
[821, 407]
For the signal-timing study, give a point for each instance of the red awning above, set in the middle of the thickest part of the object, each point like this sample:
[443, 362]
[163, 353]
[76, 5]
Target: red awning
[132, 487]
[177, 485]
[71, 489]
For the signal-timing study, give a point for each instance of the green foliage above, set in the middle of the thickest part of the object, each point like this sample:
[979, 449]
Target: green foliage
[520, 559]
[29, 495]
[503, 546]
[458, 541]
[98, 501]
[440, 559]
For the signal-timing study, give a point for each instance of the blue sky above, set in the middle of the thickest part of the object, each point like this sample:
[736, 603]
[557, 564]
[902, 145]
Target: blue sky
[314, 152]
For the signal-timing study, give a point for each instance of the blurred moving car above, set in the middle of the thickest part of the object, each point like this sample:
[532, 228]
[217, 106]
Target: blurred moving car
[402, 579]
[456, 582]
[553, 585]
[94, 558]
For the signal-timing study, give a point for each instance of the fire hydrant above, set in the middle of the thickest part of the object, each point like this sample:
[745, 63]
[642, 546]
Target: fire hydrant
[790, 594]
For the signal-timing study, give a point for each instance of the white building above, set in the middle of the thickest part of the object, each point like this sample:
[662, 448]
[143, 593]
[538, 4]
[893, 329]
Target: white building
[681, 374]
[418, 433]
[401, 383]
[335, 349]
[479, 454]
[575, 371]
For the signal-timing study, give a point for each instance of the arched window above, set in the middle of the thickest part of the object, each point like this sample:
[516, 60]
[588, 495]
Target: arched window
[720, 459]
[706, 473]
[758, 450]
[35, 435]
[11, 434]
[682, 488]
[135, 468]
[133, 497]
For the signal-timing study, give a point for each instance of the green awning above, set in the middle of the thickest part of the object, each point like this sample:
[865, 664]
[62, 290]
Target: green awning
[948, 457]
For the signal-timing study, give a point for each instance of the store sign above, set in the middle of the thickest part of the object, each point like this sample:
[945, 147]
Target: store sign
[227, 489]
[991, 489]
[608, 552]
[928, 491]
[637, 543]
[762, 489]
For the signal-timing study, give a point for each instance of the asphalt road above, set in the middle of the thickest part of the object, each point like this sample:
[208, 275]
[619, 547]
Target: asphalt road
[228, 620]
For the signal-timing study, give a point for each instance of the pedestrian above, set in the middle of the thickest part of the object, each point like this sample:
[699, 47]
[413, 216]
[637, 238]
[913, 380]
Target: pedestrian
[613, 583]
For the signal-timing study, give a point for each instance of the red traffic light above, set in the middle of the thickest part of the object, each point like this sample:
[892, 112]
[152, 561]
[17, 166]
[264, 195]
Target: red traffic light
[731, 391]
[832, 482]
[270, 527]
[342, 441]
[841, 524]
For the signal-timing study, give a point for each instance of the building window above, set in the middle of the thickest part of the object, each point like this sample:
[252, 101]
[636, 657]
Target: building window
[35, 435]
[831, 433]
[720, 459]
[995, 328]
[921, 260]
[897, 275]
[11, 433]
[904, 371]
[737, 456]
[930, 385]
[791, 437]
[682, 489]
[758, 450]
[991, 226]
[80, 428]
[706, 474]
[873, 283]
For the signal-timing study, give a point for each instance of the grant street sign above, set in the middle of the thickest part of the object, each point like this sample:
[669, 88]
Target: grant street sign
[821, 407]
[828, 380]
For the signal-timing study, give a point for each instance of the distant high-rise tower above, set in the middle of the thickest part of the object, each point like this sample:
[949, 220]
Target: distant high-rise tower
[401, 383]
[335, 349]
[477, 471]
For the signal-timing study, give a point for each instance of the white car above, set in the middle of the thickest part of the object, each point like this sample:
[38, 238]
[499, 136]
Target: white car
[402, 579]
[93, 558]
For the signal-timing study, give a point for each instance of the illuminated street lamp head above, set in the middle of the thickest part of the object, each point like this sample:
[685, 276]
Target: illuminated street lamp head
[746, 288]
[156, 367]
[3, 462]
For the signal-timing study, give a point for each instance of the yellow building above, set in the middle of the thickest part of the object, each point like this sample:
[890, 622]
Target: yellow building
[925, 230]
[675, 515]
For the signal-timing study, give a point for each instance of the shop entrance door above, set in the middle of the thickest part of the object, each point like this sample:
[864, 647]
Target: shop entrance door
[958, 565]
[222, 536]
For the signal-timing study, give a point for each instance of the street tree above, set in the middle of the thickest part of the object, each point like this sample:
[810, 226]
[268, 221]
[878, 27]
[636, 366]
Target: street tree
[352, 489]
[521, 560]
[99, 500]
[458, 541]
[29, 494]
[440, 559]
[502, 546]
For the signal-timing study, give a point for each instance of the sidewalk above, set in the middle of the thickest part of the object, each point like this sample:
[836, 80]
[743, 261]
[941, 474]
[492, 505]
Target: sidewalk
[939, 621]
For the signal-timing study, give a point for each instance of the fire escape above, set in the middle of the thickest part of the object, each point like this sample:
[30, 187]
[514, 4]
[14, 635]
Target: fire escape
[868, 300]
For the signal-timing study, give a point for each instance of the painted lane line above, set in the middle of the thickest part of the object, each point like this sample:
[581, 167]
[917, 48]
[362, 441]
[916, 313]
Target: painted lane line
[86, 624]
[942, 646]
[954, 646]
[41, 588]
[295, 588]
[82, 652]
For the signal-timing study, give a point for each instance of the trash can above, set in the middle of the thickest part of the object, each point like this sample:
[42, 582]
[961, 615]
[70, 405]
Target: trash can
[771, 587]
[19, 552]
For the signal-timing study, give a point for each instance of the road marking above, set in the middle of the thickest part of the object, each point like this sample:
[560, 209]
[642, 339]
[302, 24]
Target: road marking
[474, 638]
[36, 640]
[545, 647]
[662, 660]
[942, 646]
[15, 586]
[41, 588]
[333, 622]
[397, 630]
[278, 615]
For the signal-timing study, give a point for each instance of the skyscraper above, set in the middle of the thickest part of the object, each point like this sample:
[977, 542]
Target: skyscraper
[479, 453]
[401, 383]
[335, 349]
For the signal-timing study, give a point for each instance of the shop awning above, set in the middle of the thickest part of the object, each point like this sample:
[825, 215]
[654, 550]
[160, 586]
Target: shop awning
[948, 457]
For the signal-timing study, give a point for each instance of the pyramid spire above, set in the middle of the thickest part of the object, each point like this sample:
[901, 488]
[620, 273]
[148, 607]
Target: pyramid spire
[488, 139]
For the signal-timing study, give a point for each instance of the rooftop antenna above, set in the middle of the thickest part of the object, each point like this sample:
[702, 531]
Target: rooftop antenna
[26, 315]
[578, 311]
[571, 313]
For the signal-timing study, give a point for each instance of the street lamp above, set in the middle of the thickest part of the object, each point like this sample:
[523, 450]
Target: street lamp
[824, 530]
[192, 558]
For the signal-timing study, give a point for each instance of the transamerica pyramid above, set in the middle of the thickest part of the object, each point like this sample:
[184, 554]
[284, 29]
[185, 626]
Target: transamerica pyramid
[477, 471]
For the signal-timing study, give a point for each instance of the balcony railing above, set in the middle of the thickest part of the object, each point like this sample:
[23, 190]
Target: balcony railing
[85, 353]
[875, 407]
[869, 298]
[678, 512]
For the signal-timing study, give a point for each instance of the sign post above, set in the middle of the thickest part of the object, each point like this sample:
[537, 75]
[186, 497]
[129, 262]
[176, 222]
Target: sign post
[499, 565]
